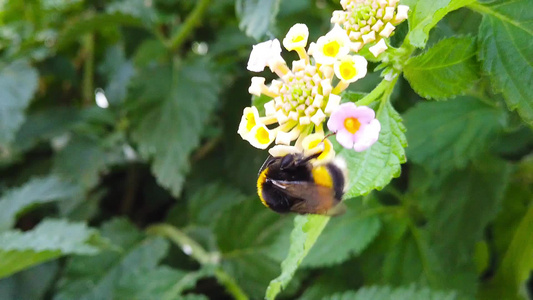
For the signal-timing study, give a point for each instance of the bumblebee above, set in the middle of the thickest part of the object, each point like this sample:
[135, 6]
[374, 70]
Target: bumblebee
[294, 183]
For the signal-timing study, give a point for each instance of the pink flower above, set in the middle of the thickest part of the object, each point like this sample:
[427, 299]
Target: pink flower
[355, 127]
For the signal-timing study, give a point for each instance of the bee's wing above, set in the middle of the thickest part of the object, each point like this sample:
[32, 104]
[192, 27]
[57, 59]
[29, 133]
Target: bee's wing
[314, 199]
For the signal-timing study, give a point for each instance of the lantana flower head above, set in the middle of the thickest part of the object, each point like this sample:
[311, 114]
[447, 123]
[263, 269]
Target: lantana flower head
[304, 95]
[369, 22]
[355, 127]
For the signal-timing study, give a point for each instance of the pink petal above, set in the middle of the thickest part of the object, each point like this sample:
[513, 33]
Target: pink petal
[336, 120]
[364, 114]
[367, 136]
[345, 138]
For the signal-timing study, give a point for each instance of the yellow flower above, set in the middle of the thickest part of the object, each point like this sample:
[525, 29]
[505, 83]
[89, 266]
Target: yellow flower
[296, 38]
[350, 68]
[315, 143]
[331, 46]
[261, 137]
[249, 119]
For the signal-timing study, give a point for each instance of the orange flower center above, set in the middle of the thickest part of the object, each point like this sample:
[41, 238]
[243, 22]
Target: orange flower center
[352, 125]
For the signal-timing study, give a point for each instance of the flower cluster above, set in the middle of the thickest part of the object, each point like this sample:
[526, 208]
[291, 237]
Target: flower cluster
[304, 95]
[308, 93]
[369, 21]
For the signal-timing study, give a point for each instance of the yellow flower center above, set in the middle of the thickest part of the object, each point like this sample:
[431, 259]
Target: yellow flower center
[352, 125]
[297, 39]
[327, 148]
[331, 49]
[347, 70]
[262, 136]
[251, 121]
[314, 143]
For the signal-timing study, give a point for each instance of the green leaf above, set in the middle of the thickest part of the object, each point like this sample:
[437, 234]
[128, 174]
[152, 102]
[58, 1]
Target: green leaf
[445, 70]
[518, 197]
[59, 4]
[209, 202]
[18, 83]
[245, 246]
[45, 125]
[83, 159]
[139, 9]
[32, 283]
[36, 191]
[467, 201]
[517, 264]
[447, 135]
[329, 281]
[506, 53]
[153, 284]
[118, 71]
[352, 232]
[99, 277]
[413, 260]
[50, 239]
[424, 15]
[307, 229]
[375, 167]
[459, 211]
[175, 105]
[257, 16]
[91, 22]
[400, 293]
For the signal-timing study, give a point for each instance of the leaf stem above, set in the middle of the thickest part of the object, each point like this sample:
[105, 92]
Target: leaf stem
[190, 23]
[88, 70]
[197, 252]
[231, 286]
[384, 88]
[187, 244]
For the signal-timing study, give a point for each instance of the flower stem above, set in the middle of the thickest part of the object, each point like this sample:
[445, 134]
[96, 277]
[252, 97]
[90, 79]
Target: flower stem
[190, 23]
[185, 242]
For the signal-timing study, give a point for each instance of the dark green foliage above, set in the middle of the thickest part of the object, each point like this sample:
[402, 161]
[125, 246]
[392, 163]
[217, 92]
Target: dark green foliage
[152, 196]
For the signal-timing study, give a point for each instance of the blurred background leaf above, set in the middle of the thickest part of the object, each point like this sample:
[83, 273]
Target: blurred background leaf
[122, 175]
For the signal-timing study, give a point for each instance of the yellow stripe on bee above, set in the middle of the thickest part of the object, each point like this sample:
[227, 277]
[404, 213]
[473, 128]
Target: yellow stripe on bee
[260, 180]
[322, 177]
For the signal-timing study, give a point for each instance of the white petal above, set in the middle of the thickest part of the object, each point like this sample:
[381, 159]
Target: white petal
[262, 53]
[317, 102]
[305, 120]
[369, 37]
[378, 48]
[281, 117]
[257, 86]
[318, 118]
[387, 31]
[326, 87]
[270, 108]
[282, 150]
[333, 103]
[401, 13]
[389, 13]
